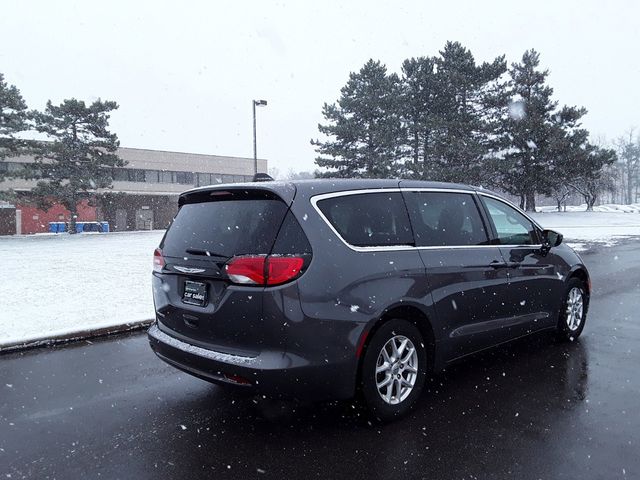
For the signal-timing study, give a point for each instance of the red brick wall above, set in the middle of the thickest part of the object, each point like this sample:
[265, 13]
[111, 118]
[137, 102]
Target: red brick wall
[56, 213]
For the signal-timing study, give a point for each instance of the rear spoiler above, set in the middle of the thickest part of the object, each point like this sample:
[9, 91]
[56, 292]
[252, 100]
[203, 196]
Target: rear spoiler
[263, 189]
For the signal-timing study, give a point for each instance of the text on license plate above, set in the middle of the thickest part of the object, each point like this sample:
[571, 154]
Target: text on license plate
[195, 293]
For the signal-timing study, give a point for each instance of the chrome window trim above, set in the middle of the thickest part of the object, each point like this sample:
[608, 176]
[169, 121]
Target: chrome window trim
[393, 248]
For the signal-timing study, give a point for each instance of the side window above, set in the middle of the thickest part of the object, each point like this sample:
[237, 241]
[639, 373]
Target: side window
[291, 238]
[512, 227]
[369, 219]
[445, 219]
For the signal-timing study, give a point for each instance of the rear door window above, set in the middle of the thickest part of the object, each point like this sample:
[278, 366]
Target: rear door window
[369, 219]
[225, 227]
[442, 219]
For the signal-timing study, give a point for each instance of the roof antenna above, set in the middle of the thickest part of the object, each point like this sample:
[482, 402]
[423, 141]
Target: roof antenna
[262, 177]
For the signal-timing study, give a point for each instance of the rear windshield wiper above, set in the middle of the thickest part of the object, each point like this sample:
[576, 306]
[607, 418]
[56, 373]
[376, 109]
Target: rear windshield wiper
[205, 253]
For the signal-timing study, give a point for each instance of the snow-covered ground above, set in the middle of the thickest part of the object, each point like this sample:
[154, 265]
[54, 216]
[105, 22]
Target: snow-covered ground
[609, 207]
[58, 284]
[582, 229]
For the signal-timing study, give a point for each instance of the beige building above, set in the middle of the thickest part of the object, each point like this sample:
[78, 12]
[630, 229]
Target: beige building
[144, 193]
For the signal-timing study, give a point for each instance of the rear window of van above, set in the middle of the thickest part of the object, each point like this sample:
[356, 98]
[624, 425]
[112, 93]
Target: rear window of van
[225, 227]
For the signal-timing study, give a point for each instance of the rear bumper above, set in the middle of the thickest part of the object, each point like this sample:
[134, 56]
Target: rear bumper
[273, 373]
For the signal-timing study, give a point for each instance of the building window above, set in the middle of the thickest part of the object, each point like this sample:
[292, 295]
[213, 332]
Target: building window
[184, 177]
[238, 178]
[204, 179]
[215, 178]
[227, 178]
[136, 175]
[120, 175]
[151, 176]
[166, 177]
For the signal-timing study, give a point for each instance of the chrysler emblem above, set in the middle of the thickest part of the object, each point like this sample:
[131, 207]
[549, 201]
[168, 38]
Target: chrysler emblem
[189, 270]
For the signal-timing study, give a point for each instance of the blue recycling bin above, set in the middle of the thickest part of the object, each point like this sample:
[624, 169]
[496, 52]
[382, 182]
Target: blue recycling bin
[105, 227]
[57, 227]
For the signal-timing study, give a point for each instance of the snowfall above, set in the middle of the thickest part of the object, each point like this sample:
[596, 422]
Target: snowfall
[58, 285]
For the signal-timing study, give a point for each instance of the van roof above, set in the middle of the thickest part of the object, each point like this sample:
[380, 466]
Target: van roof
[327, 185]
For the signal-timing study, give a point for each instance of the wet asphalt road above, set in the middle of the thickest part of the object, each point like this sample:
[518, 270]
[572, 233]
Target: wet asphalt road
[532, 410]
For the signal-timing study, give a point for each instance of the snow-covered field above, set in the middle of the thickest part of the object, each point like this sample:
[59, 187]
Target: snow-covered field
[610, 207]
[60, 284]
[582, 229]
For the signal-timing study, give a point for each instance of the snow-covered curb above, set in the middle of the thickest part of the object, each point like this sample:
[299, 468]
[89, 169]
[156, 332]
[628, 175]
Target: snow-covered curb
[65, 337]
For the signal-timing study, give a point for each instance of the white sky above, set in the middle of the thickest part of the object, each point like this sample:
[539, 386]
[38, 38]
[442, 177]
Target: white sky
[184, 73]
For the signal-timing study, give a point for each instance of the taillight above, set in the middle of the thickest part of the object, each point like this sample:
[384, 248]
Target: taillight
[283, 269]
[263, 270]
[158, 260]
[246, 270]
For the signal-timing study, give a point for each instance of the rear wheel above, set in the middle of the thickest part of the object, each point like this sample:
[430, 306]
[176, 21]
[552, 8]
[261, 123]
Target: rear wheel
[574, 311]
[393, 370]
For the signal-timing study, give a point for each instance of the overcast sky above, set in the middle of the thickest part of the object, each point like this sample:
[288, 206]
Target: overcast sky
[184, 73]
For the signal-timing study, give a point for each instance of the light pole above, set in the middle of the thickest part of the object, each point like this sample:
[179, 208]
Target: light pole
[256, 103]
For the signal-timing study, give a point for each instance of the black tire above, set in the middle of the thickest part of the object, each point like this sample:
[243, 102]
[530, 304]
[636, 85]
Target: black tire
[380, 409]
[566, 329]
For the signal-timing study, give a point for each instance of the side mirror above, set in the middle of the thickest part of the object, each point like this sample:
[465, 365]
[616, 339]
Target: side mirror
[550, 239]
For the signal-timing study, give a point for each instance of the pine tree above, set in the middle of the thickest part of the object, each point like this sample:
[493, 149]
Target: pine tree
[452, 107]
[532, 126]
[14, 119]
[546, 149]
[466, 114]
[79, 156]
[363, 128]
[420, 92]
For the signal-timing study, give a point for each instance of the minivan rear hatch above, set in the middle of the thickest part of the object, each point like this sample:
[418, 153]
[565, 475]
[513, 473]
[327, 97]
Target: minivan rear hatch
[193, 293]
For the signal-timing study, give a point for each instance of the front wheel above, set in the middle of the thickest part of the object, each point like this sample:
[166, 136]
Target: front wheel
[574, 311]
[393, 370]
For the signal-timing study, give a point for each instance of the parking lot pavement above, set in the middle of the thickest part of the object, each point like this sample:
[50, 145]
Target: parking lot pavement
[534, 409]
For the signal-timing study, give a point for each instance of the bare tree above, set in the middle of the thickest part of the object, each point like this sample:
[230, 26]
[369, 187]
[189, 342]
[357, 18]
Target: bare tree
[629, 155]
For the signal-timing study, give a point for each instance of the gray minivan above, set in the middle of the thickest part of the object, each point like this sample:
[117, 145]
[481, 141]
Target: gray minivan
[328, 289]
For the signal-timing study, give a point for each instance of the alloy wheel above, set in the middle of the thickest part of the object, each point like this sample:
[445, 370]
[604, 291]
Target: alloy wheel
[575, 307]
[396, 369]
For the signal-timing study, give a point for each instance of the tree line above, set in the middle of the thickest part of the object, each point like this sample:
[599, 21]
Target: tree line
[73, 149]
[448, 118]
